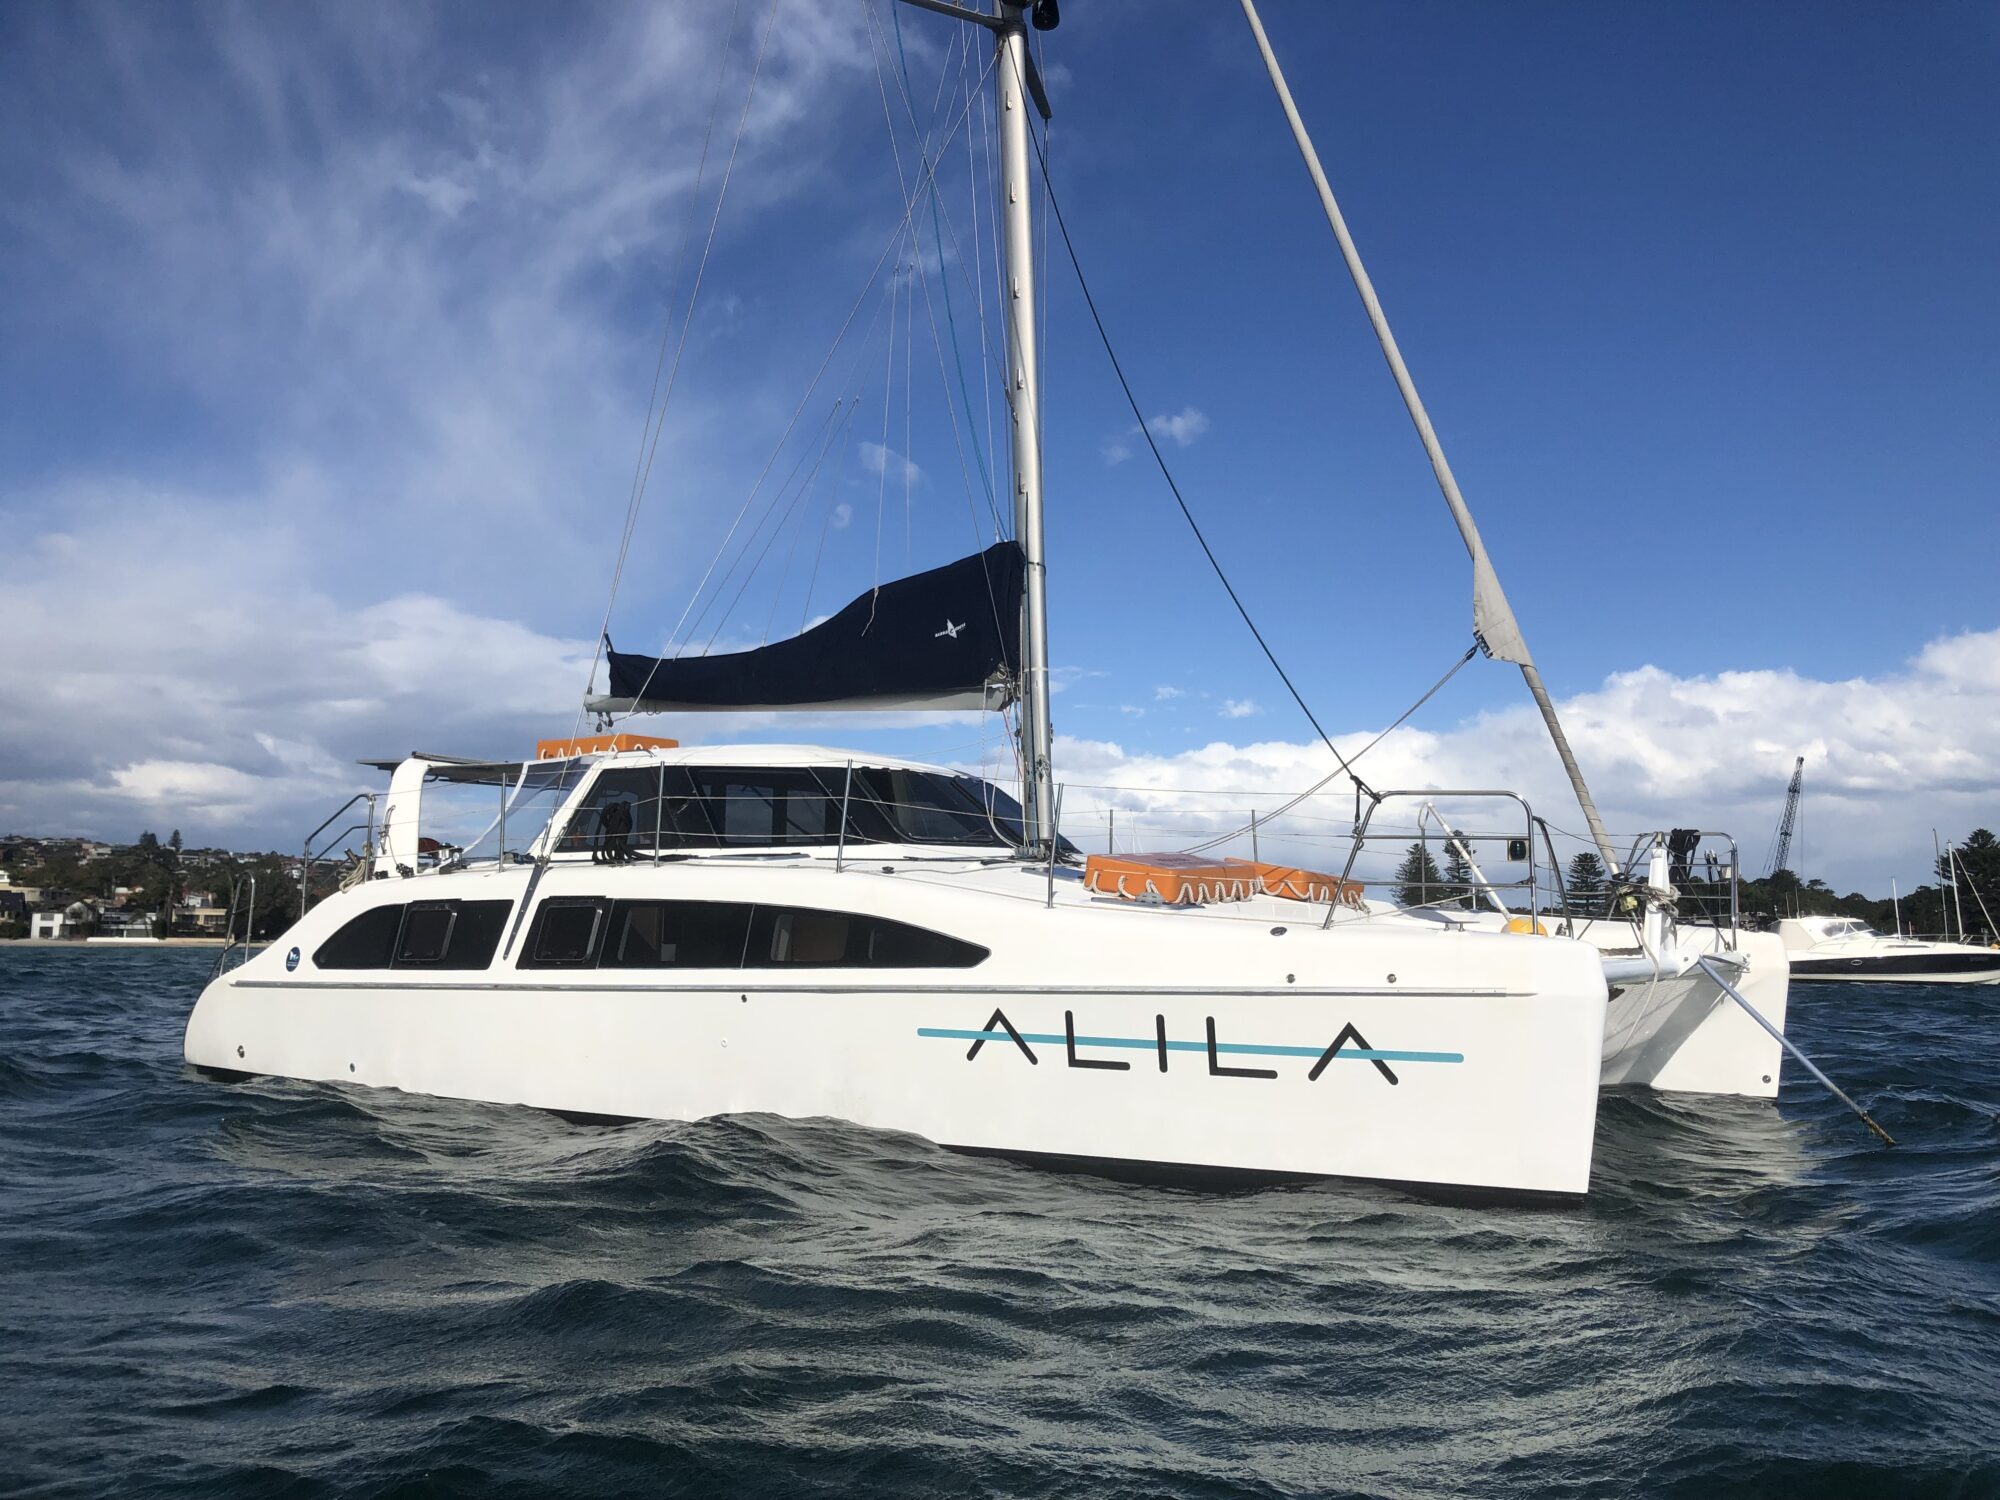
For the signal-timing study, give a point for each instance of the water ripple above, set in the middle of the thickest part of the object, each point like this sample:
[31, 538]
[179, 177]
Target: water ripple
[280, 1289]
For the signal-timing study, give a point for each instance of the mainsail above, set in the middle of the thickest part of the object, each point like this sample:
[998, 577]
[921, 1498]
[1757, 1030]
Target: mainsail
[948, 638]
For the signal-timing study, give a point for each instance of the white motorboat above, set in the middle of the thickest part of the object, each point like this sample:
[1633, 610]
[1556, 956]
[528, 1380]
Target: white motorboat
[1845, 948]
[657, 931]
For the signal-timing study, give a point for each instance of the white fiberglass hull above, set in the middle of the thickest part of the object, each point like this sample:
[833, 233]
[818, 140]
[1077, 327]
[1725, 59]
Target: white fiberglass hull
[1669, 1025]
[1148, 1039]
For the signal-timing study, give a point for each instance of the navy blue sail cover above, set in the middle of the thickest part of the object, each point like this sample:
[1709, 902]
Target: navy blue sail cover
[946, 638]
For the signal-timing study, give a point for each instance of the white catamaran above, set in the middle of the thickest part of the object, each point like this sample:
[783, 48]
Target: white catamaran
[659, 931]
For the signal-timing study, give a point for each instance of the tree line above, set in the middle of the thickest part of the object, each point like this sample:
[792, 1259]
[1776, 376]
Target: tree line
[1967, 886]
[159, 874]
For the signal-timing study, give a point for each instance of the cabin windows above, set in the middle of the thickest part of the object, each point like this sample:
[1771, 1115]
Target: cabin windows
[797, 937]
[732, 935]
[366, 942]
[637, 811]
[677, 935]
[420, 935]
[765, 808]
[566, 932]
[619, 818]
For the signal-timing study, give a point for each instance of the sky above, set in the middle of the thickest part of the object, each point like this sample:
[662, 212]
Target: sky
[331, 336]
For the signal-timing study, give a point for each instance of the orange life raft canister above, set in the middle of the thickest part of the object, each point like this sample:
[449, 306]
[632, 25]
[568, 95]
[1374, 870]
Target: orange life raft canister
[1176, 879]
[1301, 885]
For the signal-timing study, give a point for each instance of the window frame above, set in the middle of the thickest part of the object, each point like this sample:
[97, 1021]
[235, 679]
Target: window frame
[531, 957]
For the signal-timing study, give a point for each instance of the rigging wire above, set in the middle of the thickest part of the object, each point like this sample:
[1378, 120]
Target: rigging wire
[942, 224]
[830, 429]
[923, 280]
[693, 626]
[799, 533]
[868, 285]
[1146, 431]
[937, 233]
[882, 451]
[641, 464]
[680, 349]
[1266, 819]
[800, 494]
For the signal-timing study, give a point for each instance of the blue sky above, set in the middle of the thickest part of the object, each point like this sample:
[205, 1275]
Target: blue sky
[327, 335]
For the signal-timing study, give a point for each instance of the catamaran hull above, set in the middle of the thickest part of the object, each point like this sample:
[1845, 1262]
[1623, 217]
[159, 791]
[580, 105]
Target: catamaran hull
[1678, 1031]
[1492, 1093]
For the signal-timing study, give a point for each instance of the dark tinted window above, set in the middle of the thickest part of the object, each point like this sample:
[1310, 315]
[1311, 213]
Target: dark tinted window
[566, 933]
[676, 935]
[897, 945]
[365, 942]
[729, 935]
[763, 807]
[792, 936]
[918, 807]
[425, 934]
[756, 807]
[620, 816]
[451, 934]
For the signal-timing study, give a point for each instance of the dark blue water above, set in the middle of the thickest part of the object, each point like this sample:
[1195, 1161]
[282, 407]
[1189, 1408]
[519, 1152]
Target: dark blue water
[294, 1290]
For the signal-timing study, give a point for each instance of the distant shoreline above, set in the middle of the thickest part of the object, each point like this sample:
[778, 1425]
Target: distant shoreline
[113, 945]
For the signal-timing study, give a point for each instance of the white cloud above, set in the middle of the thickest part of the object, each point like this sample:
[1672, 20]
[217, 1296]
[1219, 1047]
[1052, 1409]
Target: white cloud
[1179, 429]
[843, 516]
[205, 688]
[1182, 428]
[1166, 691]
[877, 459]
[1237, 708]
[1887, 758]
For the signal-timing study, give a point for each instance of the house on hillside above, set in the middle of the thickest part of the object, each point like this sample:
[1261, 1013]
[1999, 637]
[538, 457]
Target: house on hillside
[198, 914]
[124, 924]
[75, 921]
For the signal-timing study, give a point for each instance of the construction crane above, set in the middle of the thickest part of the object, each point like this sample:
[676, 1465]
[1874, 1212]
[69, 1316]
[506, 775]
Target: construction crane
[1781, 843]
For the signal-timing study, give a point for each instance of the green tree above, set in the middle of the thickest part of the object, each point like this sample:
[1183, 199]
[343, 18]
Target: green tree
[1458, 872]
[1417, 879]
[1586, 883]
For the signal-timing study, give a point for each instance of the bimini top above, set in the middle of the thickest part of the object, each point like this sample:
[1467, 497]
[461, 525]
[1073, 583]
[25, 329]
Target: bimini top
[788, 756]
[491, 772]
